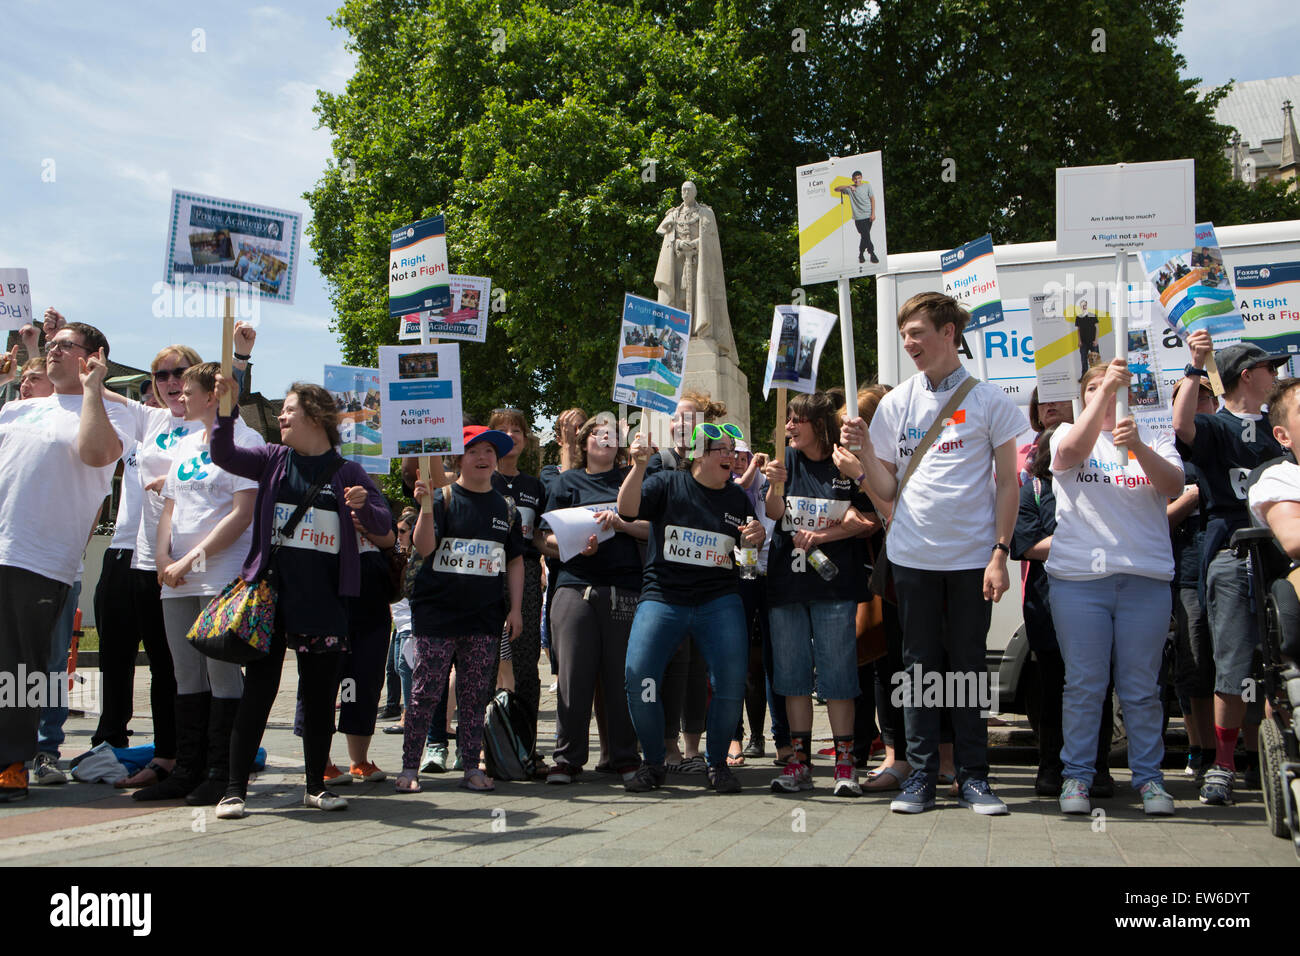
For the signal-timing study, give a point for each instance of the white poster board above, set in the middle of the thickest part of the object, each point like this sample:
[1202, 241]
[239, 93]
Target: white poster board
[842, 227]
[420, 400]
[651, 353]
[15, 299]
[466, 319]
[238, 245]
[1125, 206]
[799, 333]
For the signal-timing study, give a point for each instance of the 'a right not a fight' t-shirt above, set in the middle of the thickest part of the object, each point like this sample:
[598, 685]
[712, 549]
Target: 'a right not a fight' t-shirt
[458, 589]
[693, 533]
[817, 497]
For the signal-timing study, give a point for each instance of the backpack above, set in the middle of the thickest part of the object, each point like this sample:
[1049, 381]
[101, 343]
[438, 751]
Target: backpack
[508, 738]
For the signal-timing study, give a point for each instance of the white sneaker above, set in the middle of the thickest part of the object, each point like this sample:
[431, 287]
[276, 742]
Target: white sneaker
[46, 772]
[846, 781]
[1156, 800]
[1074, 796]
[324, 801]
[231, 808]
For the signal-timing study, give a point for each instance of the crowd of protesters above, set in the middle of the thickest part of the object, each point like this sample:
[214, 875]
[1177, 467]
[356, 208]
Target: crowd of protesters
[859, 561]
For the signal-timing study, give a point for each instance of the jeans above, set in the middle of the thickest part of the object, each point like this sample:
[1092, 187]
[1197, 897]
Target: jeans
[403, 669]
[821, 633]
[718, 628]
[49, 733]
[1120, 623]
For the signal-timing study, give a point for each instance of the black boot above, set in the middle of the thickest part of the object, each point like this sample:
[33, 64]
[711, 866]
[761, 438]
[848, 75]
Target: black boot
[191, 750]
[221, 721]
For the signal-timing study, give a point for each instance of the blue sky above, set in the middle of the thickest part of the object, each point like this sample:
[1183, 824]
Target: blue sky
[127, 110]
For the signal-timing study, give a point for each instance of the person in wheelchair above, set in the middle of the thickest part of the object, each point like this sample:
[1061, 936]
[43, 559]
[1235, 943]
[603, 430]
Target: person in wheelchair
[1274, 498]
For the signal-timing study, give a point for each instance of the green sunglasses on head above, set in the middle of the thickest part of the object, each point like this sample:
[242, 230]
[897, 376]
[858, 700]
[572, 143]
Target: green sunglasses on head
[714, 432]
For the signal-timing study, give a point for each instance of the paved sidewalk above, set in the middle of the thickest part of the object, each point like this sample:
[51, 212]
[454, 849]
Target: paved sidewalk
[595, 822]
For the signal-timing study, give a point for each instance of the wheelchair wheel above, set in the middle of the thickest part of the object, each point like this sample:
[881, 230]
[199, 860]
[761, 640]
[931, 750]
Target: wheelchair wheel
[1272, 754]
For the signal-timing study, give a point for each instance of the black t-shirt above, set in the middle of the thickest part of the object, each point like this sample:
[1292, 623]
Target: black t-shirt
[817, 496]
[617, 563]
[693, 532]
[307, 569]
[548, 476]
[1189, 537]
[458, 590]
[1035, 521]
[529, 495]
[1226, 448]
[668, 460]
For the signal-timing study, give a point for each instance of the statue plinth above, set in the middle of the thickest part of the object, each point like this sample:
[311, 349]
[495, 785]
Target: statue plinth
[721, 377]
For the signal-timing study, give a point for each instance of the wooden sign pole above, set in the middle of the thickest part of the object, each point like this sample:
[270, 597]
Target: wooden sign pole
[778, 434]
[227, 351]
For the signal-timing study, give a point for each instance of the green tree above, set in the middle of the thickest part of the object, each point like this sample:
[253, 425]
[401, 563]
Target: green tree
[530, 124]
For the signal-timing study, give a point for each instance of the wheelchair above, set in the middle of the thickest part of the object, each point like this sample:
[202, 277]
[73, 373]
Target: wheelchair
[1277, 610]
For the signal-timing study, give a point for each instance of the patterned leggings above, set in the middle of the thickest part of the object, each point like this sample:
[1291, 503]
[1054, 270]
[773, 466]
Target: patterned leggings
[475, 656]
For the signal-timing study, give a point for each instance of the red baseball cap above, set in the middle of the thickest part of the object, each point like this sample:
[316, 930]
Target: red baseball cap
[502, 442]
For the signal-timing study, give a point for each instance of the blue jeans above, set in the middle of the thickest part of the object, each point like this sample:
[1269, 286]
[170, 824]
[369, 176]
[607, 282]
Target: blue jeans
[1120, 623]
[49, 733]
[820, 633]
[718, 628]
[403, 670]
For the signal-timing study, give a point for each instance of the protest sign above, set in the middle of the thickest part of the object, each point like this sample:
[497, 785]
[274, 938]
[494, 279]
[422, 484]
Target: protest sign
[465, 319]
[15, 299]
[1195, 292]
[652, 344]
[1057, 364]
[1132, 206]
[971, 277]
[841, 205]
[799, 333]
[356, 393]
[1268, 298]
[238, 245]
[417, 268]
[420, 400]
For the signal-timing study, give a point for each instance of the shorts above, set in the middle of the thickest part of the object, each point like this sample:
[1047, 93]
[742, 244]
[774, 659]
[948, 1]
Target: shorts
[1234, 631]
[1194, 668]
[815, 633]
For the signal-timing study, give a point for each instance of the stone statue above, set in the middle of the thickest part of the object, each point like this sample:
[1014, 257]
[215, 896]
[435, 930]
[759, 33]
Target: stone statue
[689, 273]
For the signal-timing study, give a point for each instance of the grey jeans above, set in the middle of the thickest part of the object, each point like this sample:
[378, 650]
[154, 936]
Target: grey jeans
[589, 630]
[195, 673]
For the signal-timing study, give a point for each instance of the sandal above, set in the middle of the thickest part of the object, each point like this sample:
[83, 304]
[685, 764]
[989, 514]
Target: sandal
[158, 773]
[408, 781]
[735, 759]
[477, 781]
[885, 779]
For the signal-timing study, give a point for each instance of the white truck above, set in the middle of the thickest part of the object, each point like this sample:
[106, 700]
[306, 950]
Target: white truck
[1024, 269]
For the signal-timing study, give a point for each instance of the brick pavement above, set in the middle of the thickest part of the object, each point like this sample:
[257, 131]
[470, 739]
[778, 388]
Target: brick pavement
[594, 822]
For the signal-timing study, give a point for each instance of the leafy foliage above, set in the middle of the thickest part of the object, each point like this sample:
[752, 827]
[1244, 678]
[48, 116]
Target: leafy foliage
[530, 125]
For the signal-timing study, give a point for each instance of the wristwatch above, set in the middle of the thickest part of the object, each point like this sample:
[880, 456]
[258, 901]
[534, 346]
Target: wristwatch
[1001, 547]
[1191, 371]
[860, 479]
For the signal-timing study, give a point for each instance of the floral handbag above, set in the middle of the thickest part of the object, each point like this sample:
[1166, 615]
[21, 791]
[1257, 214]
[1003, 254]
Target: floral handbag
[237, 625]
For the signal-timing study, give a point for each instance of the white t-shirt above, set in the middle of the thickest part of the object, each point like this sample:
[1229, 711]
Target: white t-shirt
[401, 615]
[128, 507]
[946, 520]
[204, 494]
[48, 496]
[1280, 482]
[162, 432]
[1109, 518]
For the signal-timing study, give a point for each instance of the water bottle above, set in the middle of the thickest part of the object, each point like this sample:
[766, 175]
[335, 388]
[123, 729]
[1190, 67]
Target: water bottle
[822, 564]
[747, 561]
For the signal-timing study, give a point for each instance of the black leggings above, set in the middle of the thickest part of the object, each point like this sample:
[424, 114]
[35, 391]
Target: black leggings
[318, 681]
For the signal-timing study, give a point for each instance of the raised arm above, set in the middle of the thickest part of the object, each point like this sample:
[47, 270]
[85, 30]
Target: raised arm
[97, 441]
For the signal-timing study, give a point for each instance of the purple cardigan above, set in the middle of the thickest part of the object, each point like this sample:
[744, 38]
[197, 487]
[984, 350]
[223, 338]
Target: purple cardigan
[266, 465]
